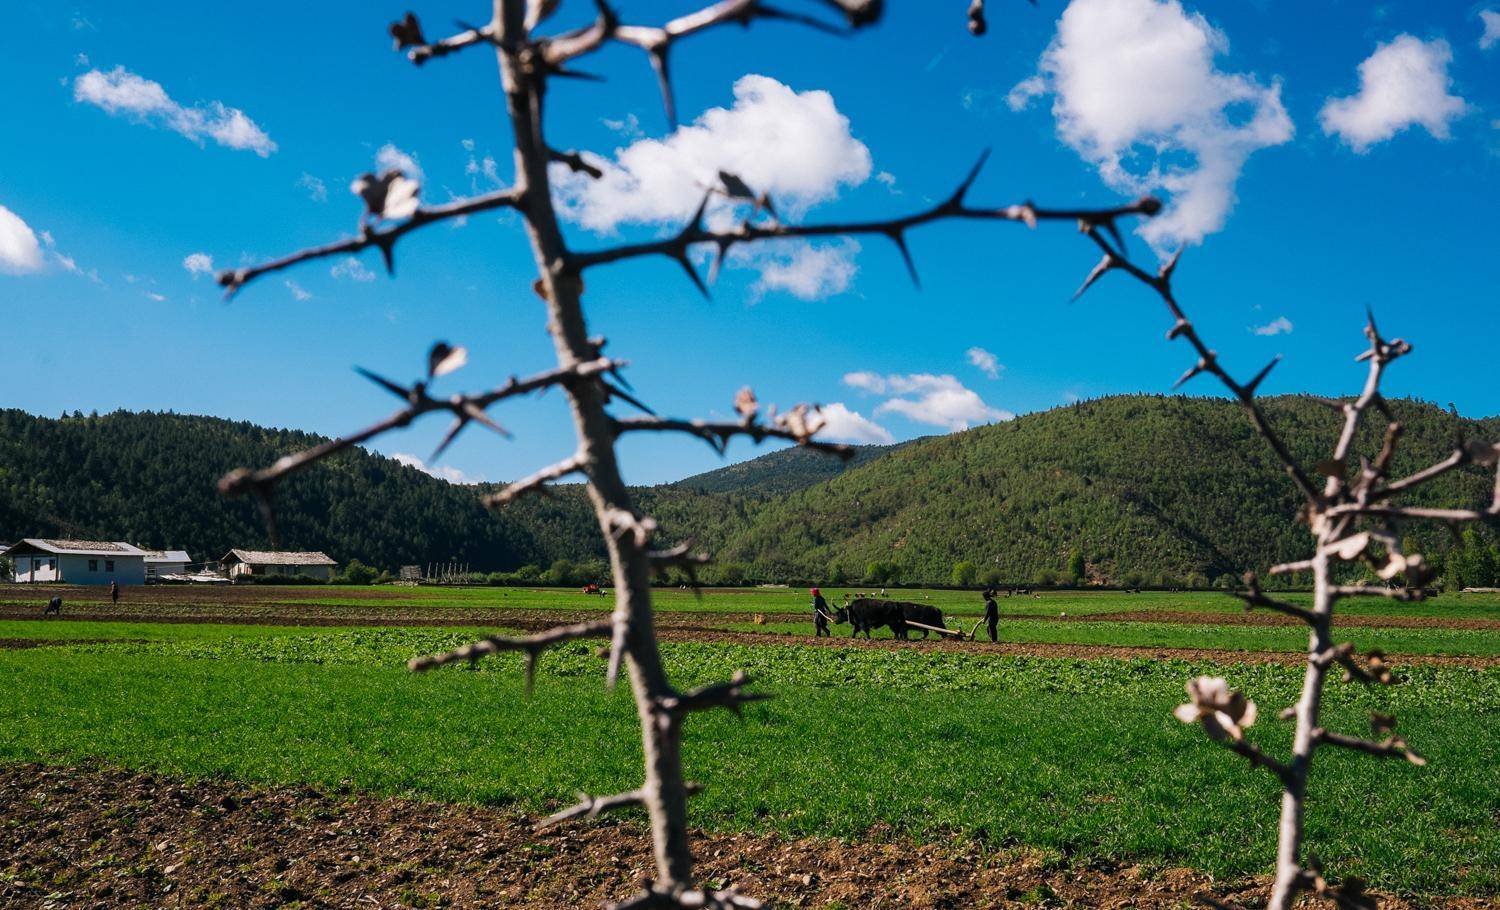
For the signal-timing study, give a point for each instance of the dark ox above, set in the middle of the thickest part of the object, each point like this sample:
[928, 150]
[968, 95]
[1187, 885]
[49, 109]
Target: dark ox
[923, 613]
[866, 614]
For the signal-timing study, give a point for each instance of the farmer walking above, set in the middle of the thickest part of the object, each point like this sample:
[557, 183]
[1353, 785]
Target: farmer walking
[114, 592]
[991, 614]
[820, 615]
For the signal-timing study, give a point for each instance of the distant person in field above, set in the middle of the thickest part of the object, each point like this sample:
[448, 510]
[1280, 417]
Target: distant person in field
[991, 614]
[820, 615]
[114, 592]
[54, 606]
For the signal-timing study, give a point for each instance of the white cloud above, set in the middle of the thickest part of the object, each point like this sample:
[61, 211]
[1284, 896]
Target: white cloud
[19, 251]
[1278, 326]
[805, 270]
[1136, 92]
[486, 166]
[198, 264]
[159, 298]
[844, 425]
[316, 189]
[987, 363]
[442, 472]
[796, 146]
[1025, 90]
[866, 381]
[628, 126]
[888, 180]
[1491, 36]
[298, 292]
[120, 91]
[1404, 82]
[388, 157]
[351, 268]
[939, 400]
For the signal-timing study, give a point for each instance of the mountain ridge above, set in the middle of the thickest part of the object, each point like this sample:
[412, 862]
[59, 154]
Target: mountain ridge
[1161, 487]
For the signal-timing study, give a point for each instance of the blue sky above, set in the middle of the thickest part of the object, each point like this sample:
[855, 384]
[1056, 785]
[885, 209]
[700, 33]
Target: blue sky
[1317, 158]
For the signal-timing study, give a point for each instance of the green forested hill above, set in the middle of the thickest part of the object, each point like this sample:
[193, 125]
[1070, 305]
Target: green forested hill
[1155, 485]
[149, 479]
[1131, 485]
[780, 472]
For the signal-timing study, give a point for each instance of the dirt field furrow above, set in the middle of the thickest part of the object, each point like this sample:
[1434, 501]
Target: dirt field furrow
[690, 627]
[107, 838]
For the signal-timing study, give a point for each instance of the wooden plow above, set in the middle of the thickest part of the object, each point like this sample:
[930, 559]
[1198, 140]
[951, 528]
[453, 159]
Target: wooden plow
[959, 633]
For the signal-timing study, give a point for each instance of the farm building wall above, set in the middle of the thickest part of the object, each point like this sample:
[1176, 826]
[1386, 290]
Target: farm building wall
[239, 569]
[156, 568]
[81, 570]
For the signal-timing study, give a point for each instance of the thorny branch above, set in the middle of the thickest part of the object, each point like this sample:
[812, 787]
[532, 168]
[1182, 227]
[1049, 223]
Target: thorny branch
[532, 645]
[955, 207]
[1335, 515]
[592, 806]
[382, 238]
[527, 62]
[465, 409]
[717, 435]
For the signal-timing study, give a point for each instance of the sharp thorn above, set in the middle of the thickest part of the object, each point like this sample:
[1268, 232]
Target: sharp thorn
[899, 238]
[1251, 386]
[458, 424]
[402, 393]
[968, 181]
[687, 266]
[659, 63]
[1105, 264]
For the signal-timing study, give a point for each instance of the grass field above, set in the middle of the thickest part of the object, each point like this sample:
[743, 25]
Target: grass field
[1078, 757]
[747, 600]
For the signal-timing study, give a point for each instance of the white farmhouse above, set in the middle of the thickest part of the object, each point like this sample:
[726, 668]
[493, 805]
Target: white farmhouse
[166, 562]
[240, 563]
[79, 562]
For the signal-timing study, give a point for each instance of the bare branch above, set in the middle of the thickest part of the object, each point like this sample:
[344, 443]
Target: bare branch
[717, 435]
[1287, 568]
[657, 41]
[730, 695]
[1182, 327]
[1390, 747]
[1377, 671]
[1259, 759]
[532, 645]
[1255, 597]
[464, 408]
[954, 207]
[589, 807]
[418, 51]
[1412, 512]
[382, 238]
[1402, 594]
[570, 465]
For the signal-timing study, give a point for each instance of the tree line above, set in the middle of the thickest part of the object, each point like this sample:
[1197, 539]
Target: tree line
[1132, 491]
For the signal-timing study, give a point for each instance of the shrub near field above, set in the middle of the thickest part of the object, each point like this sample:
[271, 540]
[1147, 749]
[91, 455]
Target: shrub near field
[1080, 757]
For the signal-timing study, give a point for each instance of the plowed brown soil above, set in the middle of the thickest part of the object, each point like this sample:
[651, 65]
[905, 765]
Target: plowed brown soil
[93, 837]
[674, 626]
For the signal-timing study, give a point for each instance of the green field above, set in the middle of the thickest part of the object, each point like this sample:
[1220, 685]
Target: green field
[756, 600]
[1081, 758]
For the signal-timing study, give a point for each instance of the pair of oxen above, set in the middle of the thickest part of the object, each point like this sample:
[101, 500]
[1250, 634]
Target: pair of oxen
[867, 613]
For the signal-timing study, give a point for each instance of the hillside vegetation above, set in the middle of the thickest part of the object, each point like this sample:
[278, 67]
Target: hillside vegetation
[1135, 489]
[1129, 485]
